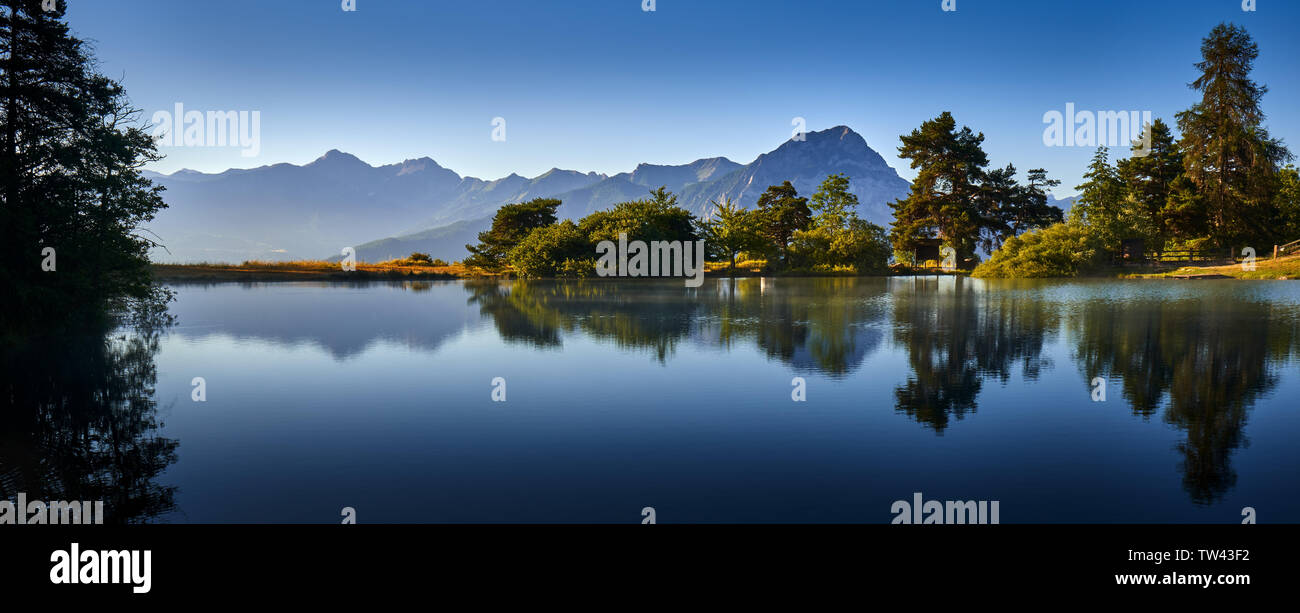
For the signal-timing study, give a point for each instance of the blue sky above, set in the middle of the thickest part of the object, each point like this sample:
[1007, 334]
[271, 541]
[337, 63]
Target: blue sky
[603, 85]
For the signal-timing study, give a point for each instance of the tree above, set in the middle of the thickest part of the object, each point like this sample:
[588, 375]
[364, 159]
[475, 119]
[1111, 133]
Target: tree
[1149, 175]
[1032, 211]
[833, 205]
[1288, 203]
[730, 231]
[837, 236]
[945, 197]
[70, 157]
[783, 212]
[511, 224]
[1228, 154]
[558, 250]
[1100, 205]
[657, 218]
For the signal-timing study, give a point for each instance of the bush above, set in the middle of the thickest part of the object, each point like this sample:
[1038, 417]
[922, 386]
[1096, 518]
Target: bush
[419, 258]
[862, 245]
[1059, 250]
[558, 250]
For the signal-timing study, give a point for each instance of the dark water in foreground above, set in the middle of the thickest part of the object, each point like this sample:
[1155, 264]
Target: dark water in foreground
[625, 395]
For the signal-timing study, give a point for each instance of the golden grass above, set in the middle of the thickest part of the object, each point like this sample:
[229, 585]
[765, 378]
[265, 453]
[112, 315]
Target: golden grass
[257, 270]
[1286, 267]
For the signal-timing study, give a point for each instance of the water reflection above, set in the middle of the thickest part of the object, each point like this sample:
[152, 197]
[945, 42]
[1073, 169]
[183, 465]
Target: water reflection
[1203, 361]
[78, 421]
[1206, 362]
[825, 325]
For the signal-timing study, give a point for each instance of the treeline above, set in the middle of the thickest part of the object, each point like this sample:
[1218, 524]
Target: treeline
[785, 230]
[1221, 185]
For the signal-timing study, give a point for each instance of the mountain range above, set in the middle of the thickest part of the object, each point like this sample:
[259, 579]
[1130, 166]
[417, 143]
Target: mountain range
[291, 212]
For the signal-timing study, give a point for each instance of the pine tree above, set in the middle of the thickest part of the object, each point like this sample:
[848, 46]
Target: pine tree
[1228, 154]
[1149, 176]
[945, 197]
[1101, 202]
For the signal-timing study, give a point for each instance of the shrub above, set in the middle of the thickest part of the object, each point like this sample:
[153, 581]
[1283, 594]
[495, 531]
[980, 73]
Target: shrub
[862, 245]
[1059, 250]
[558, 250]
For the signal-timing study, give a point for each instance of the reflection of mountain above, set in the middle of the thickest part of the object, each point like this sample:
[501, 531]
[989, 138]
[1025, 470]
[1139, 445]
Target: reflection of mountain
[1206, 362]
[78, 422]
[957, 337]
[825, 325]
[344, 319]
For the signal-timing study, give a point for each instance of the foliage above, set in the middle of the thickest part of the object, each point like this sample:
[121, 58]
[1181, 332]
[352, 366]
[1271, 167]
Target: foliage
[1228, 155]
[511, 224]
[70, 157]
[730, 231]
[1060, 250]
[838, 237]
[558, 250]
[955, 199]
[782, 212]
[657, 218]
[1104, 207]
[1288, 203]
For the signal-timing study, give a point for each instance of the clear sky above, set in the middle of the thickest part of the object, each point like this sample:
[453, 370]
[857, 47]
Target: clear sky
[603, 85]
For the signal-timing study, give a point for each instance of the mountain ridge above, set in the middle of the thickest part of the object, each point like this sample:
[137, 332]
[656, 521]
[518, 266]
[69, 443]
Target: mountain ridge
[311, 211]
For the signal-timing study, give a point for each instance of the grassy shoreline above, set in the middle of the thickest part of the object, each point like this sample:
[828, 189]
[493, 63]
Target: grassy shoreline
[1282, 268]
[303, 271]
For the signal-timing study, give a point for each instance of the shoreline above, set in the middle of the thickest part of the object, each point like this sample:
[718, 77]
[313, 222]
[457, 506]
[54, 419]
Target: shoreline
[1282, 269]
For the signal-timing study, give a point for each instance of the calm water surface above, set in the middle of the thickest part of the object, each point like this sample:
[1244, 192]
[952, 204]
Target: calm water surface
[623, 395]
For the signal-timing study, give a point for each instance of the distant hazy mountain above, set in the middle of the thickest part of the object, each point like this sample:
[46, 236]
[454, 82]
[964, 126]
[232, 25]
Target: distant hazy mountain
[1063, 203]
[284, 211]
[805, 163]
[446, 243]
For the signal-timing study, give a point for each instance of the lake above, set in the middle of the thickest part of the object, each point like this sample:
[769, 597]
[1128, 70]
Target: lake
[1081, 401]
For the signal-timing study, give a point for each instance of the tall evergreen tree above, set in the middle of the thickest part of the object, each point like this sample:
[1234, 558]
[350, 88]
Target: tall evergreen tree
[1100, 204]
[1149, 179]
[1228, 154]
[71, 150]
[945, 198]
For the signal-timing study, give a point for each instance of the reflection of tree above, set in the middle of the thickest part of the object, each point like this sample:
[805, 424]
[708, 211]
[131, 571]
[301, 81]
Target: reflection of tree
[645, 315]
[956, 337]
[78, 422]
[1211, 359]
[825, 325]
[808, 323]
